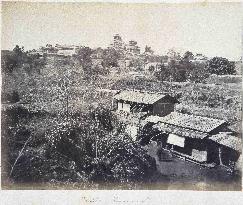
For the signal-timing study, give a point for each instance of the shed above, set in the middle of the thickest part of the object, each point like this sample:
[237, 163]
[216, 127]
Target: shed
[189, 134]
[139, 101]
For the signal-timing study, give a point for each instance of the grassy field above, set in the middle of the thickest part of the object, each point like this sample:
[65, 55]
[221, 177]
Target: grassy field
[50, 91]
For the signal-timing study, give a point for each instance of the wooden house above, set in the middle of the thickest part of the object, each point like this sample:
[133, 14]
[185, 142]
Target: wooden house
[152, 103]
[196, 138]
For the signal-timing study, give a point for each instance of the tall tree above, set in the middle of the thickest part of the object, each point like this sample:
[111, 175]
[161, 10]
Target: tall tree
[148, 50]
[163, 73]
[12, 59]
[111, 57]
[221, 66]
[84, 57]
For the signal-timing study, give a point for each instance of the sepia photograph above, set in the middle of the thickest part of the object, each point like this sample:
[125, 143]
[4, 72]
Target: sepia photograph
[121, 96]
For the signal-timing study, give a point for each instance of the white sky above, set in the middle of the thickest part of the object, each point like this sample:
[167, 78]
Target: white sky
[212, 29]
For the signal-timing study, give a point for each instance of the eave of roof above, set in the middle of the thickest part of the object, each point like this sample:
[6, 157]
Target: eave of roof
[139, 97]
[180, 131]
[193, 122]
[230, 141]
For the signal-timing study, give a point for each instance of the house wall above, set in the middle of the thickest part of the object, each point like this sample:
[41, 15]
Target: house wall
[215, 151]
[201, 150]
[228, 155]
[164, 106]
[163, 109]
[198, 155]
[126, 107]
[133, 107]
[222, 128]
[139, 107]
[119, 105]
[195, 148]
[176, 140]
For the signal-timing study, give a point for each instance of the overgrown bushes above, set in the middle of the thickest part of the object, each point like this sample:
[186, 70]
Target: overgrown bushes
[89, 148]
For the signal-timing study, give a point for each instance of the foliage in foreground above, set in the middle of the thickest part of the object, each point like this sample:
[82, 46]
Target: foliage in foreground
[86, 149]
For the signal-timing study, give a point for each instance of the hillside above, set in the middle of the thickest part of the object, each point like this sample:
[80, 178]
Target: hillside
[62, 115]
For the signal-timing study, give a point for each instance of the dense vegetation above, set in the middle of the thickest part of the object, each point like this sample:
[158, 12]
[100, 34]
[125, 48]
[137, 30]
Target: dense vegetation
[185, 70]
[86, 149]
[221, 66]
[48, 138]
[58, 129]
[19, 58]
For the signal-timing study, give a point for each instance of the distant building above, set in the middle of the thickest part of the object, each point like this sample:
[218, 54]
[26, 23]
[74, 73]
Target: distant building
[48, 49]
[199, 58]
[130, 49]
[137, 75]
[36, 52]
[239, 67]
[65, 50]
[59, 50]
[133, 48]
[97, 53]
[152, 66]
[118, 43]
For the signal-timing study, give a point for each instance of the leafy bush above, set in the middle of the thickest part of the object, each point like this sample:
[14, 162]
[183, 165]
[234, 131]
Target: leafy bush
[221, 66]
[18, 57]
[10, 97]
[89, 148]
[110, 57]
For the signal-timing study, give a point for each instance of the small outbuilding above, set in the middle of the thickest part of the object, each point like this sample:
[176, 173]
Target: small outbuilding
[138, 101]
[196, 138]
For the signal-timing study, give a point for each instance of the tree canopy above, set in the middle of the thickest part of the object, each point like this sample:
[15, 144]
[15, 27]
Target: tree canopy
[18, 57]
[221, 66]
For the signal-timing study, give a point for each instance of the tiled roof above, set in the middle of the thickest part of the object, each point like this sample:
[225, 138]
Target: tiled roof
[228, 141]
[203, 124]
[180, 131]
[236, 127]
[139, 97]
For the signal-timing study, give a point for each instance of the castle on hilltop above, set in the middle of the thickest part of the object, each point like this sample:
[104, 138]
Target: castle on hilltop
[131, 48]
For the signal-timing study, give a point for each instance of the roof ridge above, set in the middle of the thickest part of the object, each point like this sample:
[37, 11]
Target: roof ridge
[200, 116]
[192, 122]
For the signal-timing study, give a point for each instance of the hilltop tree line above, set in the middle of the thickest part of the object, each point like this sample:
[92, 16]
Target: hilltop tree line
[179, 68]
[18, 57]
[20, 62]
[183, 68]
